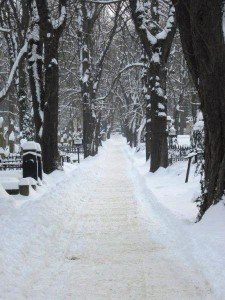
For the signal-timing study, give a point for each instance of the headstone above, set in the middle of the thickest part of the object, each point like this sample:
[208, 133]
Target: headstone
[30, 160]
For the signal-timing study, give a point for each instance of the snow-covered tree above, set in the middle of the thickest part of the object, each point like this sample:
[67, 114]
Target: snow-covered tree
[155, 24]
[201, 25]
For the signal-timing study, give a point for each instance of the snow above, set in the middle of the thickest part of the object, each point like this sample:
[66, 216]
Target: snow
[56, 23]
[30, 146]
[12, 136]
[9, 180]
[54, 61]
[156, 57]
[10, 183]
[199, 125]
[223, 20]
[7, 30]
[1, 122]
[108, 229]
[165, 197]
[161, 114]
[38, 147]
[27, 181]
[184, 140]
[169, 25]
[15, 65]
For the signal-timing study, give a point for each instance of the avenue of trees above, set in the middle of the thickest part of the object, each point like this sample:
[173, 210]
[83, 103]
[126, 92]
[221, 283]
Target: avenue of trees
[82, 66]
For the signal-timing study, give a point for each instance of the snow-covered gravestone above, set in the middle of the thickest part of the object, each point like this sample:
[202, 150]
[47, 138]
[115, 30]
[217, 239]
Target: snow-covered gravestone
[30, 160]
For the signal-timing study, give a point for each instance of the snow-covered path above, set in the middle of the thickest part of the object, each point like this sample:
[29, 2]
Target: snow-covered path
[101, 248]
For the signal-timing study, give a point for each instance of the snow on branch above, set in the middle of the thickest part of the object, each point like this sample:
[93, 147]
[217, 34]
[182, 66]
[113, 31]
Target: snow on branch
[105, 1]
[5, 90]
[56, 23]
[223, 20]
[141, 12]
[130, 66]
[147, 25]
[169, 25]
[5, 30]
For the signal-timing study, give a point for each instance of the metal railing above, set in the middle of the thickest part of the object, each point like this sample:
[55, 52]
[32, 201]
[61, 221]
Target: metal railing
[12, 162]
[70, 153]
[178, 153]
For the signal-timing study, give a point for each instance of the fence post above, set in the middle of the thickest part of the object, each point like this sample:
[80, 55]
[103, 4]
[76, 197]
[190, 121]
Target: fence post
[78, 154]
[78, 143]
[190, 155]
[188, 169]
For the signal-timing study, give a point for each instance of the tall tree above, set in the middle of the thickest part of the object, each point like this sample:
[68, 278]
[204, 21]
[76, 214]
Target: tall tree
[44, 75]
[201, 30]
[147, 17]
[15, 17]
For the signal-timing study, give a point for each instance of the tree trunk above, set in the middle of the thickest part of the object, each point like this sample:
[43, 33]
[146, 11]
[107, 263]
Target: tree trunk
[200, 25]
[35, 60]
[44, 44]
[157, 51]
[159, 147]
[50, 126]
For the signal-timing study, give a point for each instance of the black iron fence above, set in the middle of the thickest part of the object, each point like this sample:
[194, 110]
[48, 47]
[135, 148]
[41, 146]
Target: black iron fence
[178, 153]
[14, 161]
[70, 153]
[11, 162]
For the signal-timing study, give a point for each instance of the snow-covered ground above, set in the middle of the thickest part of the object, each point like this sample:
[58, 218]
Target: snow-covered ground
[166, 197]
[107, 229]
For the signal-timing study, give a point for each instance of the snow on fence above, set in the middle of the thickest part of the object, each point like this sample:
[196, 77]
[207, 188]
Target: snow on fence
[71, 153]
[178, 153]
[181, 153]
[12, 162]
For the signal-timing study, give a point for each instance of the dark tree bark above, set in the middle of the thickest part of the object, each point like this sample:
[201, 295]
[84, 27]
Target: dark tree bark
[35, 61]
[147, 96]
[44, 77]
[157, 48]
[200, 25]
[51, 33]
[50, 126]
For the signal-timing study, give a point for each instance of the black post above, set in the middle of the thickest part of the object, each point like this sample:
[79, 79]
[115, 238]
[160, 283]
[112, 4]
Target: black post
[188, 169]
[78, 154]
